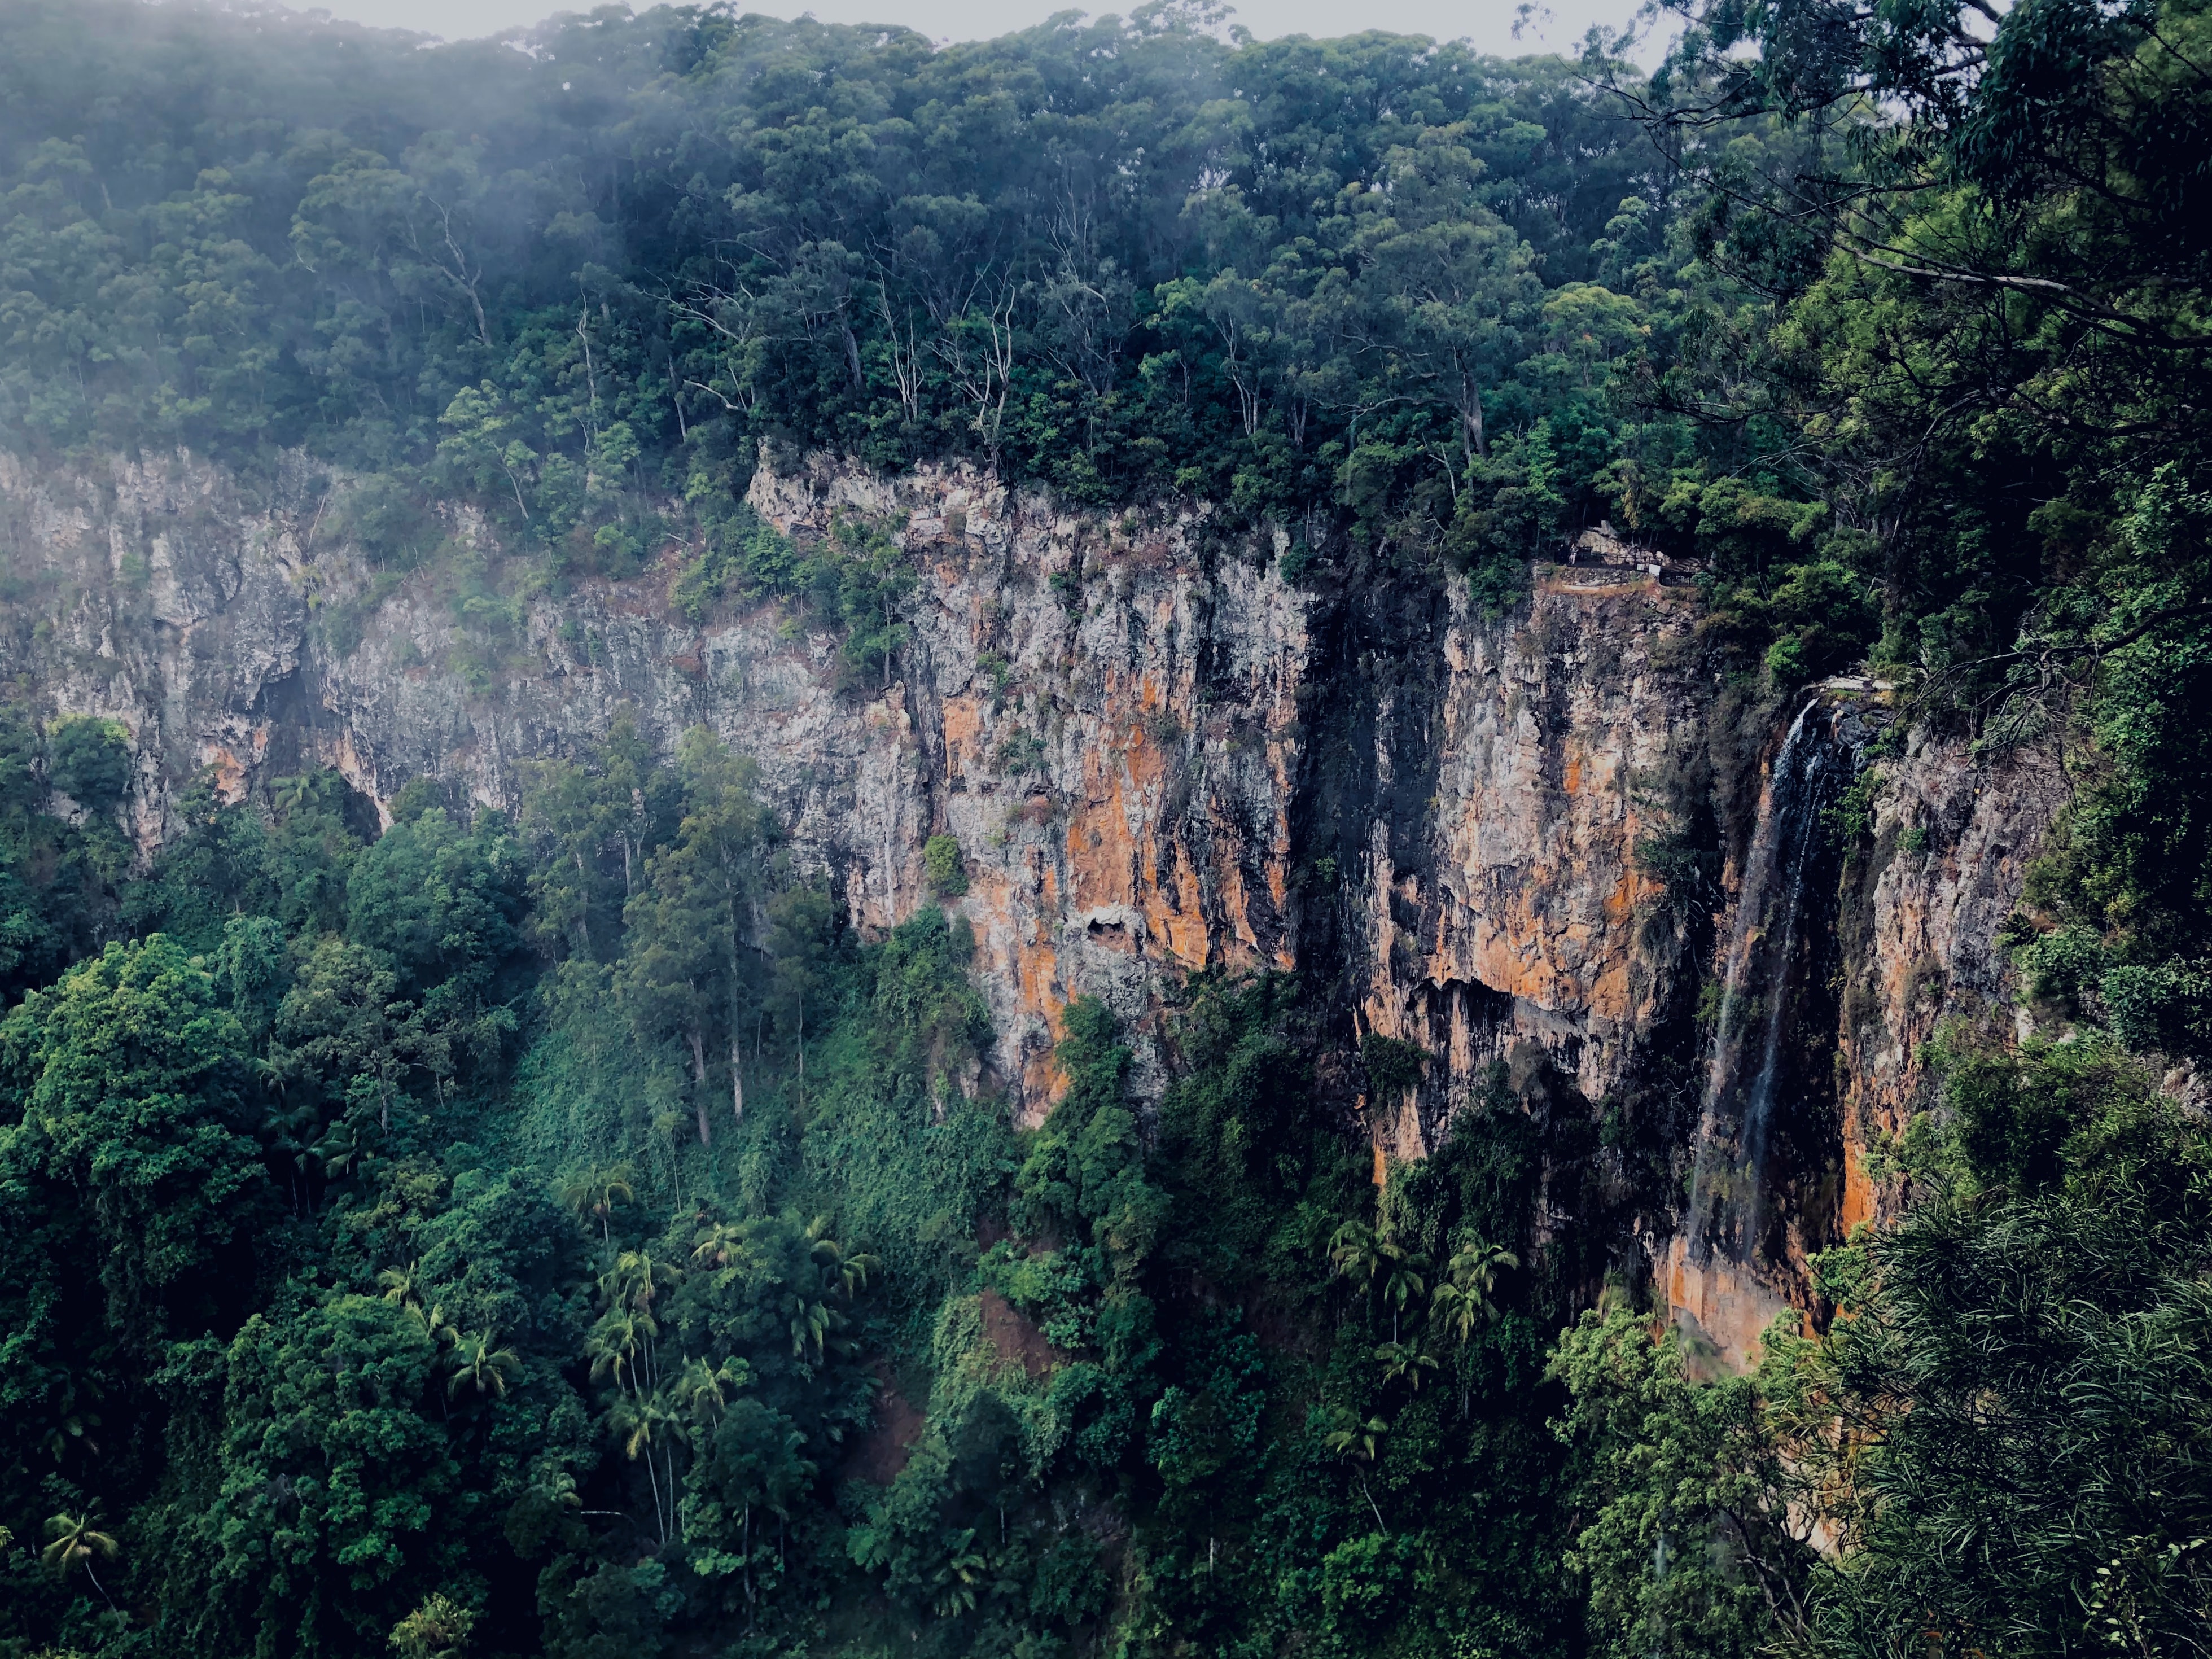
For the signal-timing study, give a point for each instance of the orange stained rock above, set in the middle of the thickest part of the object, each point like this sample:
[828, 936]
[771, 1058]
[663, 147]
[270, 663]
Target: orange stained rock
[1180, 927]
[348, 762]
[1030, 964]
[1502, 961]
[1727, 1304]
[1232, 900]
[964, 733]
[1609, 989]
[1101, 857]
[1278, 874]
[1620, 903]
[1858, 1204]
[229, 775]
[1110, 864]
[990, 901]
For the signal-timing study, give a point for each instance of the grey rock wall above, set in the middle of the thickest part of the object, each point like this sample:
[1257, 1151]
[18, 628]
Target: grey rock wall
[1155, 753]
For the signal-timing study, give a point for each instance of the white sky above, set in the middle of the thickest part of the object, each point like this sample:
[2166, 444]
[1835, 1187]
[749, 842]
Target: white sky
[1488, 23]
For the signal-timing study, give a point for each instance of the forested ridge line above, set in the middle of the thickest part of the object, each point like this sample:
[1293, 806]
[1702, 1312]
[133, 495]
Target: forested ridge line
[558, 1232]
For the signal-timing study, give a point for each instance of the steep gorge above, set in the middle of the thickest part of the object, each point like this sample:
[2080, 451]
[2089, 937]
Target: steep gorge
[1551, 849]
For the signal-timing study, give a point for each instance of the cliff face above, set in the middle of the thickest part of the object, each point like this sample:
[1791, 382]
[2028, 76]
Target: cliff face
[1104, 714]
[1156, 755]
[159, 594]
[1502, 909]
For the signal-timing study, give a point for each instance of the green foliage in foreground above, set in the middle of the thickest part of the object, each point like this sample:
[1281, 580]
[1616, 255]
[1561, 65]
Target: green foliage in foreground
[374, 1279]
[557, 1235]
[2001, 1444]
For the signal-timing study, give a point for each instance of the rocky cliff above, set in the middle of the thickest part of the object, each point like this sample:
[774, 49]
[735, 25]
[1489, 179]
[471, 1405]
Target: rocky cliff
[1548, 850]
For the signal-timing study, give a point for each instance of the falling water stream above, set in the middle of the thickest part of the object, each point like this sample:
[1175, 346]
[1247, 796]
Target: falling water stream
[1763, 970]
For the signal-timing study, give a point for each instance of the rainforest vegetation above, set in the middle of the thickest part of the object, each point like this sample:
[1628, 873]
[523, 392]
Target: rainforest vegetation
[555, 1231]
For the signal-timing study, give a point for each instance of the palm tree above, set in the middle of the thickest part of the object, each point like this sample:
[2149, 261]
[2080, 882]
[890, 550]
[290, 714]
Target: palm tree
[1389, 1269]
[288, 795]
[1403, 1281]
[614, 1345]
[956, 1580]
[638, 1420]
[595, 1191]
[402, 1285]
[1404, 1360]
[342, 1148]
[1357, 1441]
[701, 1390]
[74, 1539]
[480, 1365]
[1355, 1250]
[812, 1320]
[630, 1286]
[1473, 1269]
[635, 1280]
[1464, 1300]
[724, 1248]
[851, 1270]
[433, 1323]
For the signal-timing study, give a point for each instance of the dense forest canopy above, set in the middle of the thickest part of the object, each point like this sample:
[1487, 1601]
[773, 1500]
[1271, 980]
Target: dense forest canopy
[517, 1233]
[1116, 257]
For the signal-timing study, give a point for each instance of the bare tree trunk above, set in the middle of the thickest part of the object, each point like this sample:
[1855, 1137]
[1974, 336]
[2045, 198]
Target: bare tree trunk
[699, 1082]
[584, 917]
[737, 1079]
[906, 368]
[101, 1588]
[852, 357]
[591, 384]
[1369, 1497]
[653, 1475]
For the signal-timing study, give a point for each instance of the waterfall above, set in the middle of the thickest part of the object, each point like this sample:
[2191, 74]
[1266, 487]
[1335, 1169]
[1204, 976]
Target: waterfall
[1766, 966]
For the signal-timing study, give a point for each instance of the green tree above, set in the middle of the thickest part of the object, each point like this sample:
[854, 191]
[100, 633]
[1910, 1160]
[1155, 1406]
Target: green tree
[89, 760]
[1701, 1541]
[442, 905]
[1464, 1301]
[73, 1541]
[802, 934]
[438, 1629]
[341, 1024]
[136, 1109]
[689, 969]
[328, 1431]
[595, 1192]
[1381, 1267]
